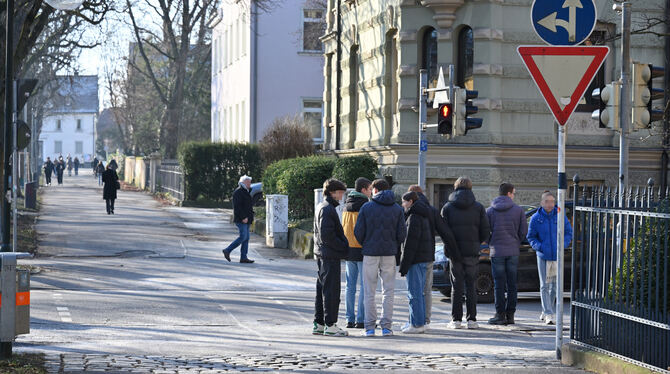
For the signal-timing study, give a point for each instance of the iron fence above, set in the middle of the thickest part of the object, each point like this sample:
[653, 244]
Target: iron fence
[170, 179]
[620, 289]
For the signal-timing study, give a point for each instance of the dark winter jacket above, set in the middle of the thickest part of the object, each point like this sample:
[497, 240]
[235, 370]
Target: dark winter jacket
[353, 204]
[242, 205]
[113, 164]
[76, 163]
[48, 167]
[100, 168]
[419, 244]
[439, 227]
[380, 227]
[109, 179]
[59, 167]
[467, 220]
[543, 231]
[329, 240]
[508, 227]
[94, 163]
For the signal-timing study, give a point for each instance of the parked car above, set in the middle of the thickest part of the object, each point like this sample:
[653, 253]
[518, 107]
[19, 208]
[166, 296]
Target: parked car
[257, 194]
[528, 279]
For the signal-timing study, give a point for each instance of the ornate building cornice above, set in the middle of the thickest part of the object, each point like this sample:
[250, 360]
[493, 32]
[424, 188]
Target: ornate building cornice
[445, 11]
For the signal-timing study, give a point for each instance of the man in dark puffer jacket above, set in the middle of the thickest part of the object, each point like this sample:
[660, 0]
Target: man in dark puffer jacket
[330, 247]
[468, 221]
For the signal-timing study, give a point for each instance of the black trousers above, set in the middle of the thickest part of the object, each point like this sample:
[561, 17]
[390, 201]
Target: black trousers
[327, 303]
[463, 275]
[60, 177]
[47, 177]
[110, 205]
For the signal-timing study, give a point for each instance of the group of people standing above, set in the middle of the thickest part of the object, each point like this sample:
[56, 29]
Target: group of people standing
[58, 167]
[376, 236]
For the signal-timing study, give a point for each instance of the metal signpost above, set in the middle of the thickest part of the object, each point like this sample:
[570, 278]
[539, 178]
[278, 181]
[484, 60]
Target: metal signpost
[562, 74]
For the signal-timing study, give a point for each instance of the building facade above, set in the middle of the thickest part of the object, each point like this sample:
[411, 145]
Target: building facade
[265, 65]
[371, 106]
[69, 125]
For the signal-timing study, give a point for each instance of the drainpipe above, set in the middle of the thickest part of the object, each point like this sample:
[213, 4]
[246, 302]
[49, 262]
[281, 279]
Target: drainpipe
[666, 120]
[253, 120]
[338, 105]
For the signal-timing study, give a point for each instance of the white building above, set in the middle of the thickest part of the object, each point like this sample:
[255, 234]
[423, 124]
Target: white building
[70, 121]
[264, 66]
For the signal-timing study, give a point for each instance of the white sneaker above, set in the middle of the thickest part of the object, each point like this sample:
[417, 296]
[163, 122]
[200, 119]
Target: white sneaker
[473, 325]
[426, 327]
[414, 330]
[334, 331]
[543, 316]
[549, 319]
[455, 325]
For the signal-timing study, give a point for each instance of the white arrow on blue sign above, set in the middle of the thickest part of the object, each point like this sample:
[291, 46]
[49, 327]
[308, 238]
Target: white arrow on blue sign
[563, 22]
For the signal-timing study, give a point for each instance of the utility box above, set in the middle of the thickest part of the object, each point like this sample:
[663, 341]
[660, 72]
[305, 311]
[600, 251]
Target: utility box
[14, 297]
[276, 221]
[31, 195]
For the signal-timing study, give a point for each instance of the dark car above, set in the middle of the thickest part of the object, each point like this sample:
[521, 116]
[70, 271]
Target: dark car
[527, 276]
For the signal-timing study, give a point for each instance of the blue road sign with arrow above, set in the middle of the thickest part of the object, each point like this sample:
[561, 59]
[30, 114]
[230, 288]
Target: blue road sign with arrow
[563, 22]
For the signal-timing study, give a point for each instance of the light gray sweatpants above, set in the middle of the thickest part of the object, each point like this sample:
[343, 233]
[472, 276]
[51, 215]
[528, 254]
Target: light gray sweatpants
[428, 291]
[375, 267]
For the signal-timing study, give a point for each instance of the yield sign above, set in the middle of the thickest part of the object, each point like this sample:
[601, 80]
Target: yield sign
[562, 74]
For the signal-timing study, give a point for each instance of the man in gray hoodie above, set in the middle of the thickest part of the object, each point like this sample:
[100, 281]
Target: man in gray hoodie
[508, 228]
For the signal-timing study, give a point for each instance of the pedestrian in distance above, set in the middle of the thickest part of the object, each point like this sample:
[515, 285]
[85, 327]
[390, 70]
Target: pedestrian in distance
[243, 217]
[330, 248]
[69, 166]
[508, 228]
[418, 251]
[438, 227]
[48, 169]
[98, 172]
[60, 168]
[542, 234]
[380, 228]
[94, 166]
[467, 219]
[354, 263]
[76, 166]
[111, 185]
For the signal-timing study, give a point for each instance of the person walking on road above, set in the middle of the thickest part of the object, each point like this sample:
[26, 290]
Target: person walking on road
[94, 166]
[380, 228]
[243, 216]
[69, 166]
[508, 228]
[467, 219]
[76, 166]
[48, 169]
[542, 236]
[111, 181]
[437, 227]
[354, 264]
[330, 248]
[418, 251]
[60, 168]
[98, 172]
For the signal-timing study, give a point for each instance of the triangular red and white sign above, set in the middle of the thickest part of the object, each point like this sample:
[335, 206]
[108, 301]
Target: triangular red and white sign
[562, 74]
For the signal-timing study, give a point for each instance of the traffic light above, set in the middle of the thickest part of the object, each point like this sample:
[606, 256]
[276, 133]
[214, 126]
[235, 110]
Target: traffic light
[644, 94]
[655, 93]
[445, 119]
[462, 109]
[610, 98]
[24, 88]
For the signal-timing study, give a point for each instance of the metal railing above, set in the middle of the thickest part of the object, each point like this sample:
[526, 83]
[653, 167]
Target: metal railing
[620, 294]
[170, 179]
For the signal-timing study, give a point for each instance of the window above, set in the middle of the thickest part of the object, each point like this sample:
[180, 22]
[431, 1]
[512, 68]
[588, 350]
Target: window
[353, 95]
[441, 193]
[429, 58]
[58, 146]
[313, 27]
[390, 84]
[312, 112]
[78, 147]
[466, 48]
[59, 125]
[79, 126]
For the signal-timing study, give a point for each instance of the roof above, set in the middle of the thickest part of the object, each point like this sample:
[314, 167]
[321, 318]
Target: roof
[74, 94]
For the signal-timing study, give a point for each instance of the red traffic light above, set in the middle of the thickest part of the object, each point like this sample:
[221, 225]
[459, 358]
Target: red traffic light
[445, 110]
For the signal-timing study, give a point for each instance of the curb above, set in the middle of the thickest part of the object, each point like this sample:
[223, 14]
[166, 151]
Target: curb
[597, 362]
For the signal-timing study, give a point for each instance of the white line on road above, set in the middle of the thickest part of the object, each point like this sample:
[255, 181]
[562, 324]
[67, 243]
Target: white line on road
[237, 321]
[287, 307]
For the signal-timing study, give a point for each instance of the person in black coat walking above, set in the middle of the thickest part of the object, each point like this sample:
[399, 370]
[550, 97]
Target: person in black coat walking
[98, 172]
[60, 167]
[48, 169]
[468, 221]
[243, 217]
[76, 166]
[330, 247]
[418, 251]
[111, 181]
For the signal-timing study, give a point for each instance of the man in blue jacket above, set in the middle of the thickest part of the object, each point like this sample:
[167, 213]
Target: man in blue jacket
[380, 228]
[508, 229]
[542, 236]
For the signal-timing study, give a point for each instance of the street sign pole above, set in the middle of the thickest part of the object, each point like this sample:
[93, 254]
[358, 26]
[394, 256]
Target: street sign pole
[625, 106]
[423, 143]
[562, 187]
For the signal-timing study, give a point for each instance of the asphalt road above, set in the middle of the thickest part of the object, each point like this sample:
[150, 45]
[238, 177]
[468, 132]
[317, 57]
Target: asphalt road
[151, 282]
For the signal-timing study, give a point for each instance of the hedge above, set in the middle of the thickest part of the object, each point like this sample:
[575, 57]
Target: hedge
[212, 170]
[349, 169]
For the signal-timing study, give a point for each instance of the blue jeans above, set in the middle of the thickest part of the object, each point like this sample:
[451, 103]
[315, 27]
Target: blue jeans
[416, 280]
[547, 289]
[243, 239]
[354, 271]
[504, 271]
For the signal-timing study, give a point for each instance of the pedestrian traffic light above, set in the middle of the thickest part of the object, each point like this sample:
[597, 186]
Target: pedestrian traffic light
[445, 119]
[463, 108]
[609, 97]
[24, 87]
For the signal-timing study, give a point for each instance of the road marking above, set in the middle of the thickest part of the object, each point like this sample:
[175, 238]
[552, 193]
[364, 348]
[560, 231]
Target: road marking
[237, 321]
[61, 308]
[287, 307]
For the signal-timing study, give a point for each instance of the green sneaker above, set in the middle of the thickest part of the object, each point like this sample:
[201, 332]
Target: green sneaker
[318, 329]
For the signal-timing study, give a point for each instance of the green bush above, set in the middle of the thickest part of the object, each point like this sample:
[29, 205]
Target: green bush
[297, 178]
[348, 169]
[212, 170]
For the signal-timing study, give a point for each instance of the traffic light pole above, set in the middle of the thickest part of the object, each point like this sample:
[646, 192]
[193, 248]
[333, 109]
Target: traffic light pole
[423, 143]
[625, 106]
[562, 188]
